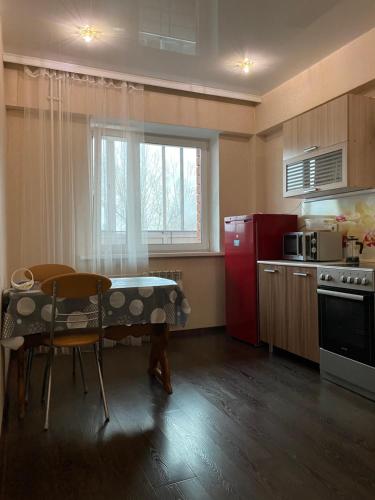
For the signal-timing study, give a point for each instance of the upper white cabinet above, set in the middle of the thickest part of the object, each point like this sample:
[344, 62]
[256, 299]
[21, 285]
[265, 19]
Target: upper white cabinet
[330, 148]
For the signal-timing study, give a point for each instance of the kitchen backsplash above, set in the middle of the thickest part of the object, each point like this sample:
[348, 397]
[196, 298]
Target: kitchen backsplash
[354, 214]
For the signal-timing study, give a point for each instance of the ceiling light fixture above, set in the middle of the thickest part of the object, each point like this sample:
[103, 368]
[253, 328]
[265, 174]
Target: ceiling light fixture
[88, 33]
[245, 65]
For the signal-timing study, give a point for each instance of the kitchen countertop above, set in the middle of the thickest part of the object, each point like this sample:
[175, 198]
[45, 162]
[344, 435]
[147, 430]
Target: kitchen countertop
[299, 263]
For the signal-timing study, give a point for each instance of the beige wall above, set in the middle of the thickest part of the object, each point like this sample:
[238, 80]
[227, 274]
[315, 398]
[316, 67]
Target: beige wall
[203, 281]
[173, 108]
[201, 112]
[270, 175]
[237, 189]
[3, 264]
[344, 70]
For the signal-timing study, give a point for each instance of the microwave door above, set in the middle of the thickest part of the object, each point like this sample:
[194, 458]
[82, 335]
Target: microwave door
[293, 246]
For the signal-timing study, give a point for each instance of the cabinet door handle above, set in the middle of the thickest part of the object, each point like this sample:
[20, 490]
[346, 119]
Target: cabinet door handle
[304, 275]
[270, 270]
[311, 148]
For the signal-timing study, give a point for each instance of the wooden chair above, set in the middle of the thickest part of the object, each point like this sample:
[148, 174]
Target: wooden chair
[40, 273]
[75, 286]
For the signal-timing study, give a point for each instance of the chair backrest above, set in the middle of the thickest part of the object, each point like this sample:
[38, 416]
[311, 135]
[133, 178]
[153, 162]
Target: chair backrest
[75, 285]
[42, 272]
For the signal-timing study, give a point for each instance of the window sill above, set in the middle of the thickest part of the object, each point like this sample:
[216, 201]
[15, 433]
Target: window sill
[182, 255]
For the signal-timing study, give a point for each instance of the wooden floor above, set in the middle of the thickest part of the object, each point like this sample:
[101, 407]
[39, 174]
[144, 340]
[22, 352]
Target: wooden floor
[239, 425]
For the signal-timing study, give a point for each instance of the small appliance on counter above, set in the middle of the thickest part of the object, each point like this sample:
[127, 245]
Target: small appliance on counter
[313, 246]
[346, 298]
[353, 250]
[249, 238]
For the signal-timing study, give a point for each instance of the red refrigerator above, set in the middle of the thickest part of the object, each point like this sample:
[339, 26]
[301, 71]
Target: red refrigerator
[249, 238]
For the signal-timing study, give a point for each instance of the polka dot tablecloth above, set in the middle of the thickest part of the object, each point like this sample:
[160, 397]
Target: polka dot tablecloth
[129, 301]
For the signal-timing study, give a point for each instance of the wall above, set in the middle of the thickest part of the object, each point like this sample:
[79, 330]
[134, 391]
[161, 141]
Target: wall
[3, 264]
[166, 108]
[199, 112]
[355, 215]
[203, 282]
[342, 71]
[235, 193]
[269, 168]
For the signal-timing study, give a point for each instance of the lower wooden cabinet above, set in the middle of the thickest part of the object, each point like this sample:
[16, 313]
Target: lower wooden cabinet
[302, 312]
[272, 302]
[288, 309]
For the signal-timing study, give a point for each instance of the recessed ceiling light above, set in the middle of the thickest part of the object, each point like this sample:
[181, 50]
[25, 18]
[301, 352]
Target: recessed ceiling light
[245, 65]
[88, 33]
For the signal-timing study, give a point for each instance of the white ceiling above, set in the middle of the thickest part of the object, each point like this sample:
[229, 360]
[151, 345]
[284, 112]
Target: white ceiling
[203, 39]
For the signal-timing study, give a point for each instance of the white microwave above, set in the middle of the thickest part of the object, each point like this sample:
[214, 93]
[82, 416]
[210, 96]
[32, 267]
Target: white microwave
[313, 246]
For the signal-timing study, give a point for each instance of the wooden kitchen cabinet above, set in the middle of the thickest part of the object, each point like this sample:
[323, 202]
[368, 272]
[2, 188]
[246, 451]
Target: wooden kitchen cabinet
[321, 127]
[288, 309]
[272, 305]
[302, 312]
[330, 148]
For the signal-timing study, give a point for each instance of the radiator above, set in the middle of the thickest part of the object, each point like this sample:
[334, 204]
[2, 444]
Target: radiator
[174, 275]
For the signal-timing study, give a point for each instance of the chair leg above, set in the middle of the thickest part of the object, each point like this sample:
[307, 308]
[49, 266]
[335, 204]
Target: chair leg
[46, 421]
[74, 360]
[45, 375]
[101, 384]
[85, 390]
[30, 358]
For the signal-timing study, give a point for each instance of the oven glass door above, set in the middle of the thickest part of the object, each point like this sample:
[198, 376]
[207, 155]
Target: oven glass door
[346, 323]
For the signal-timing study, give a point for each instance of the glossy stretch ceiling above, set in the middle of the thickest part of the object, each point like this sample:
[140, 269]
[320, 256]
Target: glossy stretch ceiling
[192, 41]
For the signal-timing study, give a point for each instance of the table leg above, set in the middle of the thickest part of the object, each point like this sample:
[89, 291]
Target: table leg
[6, 379]
[21, 381]
[158, 356]
[3, 367]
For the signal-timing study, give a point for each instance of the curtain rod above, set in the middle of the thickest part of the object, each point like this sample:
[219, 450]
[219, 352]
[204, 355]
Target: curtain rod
[144, 80]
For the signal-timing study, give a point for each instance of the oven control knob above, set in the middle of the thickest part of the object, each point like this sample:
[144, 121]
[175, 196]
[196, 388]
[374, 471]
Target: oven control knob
[349, 279]
[357, 281]
[313, 250]
[343, 279]
[328, 277]
[322, 277]
[364, 281]
[313, 241]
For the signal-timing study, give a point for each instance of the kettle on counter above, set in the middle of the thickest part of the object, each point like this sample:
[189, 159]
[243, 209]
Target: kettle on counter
[353, 249]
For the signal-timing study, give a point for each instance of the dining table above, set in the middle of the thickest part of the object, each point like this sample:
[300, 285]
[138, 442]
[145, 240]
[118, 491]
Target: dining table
[133, 306]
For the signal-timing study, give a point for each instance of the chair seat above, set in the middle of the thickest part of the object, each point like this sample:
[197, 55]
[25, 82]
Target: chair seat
[73, 339]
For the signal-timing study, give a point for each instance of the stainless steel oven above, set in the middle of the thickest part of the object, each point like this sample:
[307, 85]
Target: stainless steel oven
[346, 297]
[346, 323]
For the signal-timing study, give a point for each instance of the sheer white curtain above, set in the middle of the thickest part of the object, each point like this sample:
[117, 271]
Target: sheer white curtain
[77, 178]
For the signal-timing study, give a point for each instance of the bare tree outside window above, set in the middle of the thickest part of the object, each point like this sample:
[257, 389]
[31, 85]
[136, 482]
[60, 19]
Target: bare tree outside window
[170, 183]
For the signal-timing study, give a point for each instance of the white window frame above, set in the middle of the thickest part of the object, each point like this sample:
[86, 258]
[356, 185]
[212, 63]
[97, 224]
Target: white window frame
[203, 145]
[204, 245]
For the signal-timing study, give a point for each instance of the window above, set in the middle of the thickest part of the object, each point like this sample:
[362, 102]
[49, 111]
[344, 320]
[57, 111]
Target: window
[172, 190]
